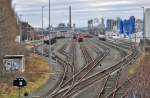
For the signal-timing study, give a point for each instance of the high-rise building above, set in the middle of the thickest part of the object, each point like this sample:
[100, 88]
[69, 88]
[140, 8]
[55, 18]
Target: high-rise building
[90, 26]
[96, 26]
[118, 20]
[102, 20]
[74, 27]
[147, 23]
[139, 25]
[101, 26]
[110, 24]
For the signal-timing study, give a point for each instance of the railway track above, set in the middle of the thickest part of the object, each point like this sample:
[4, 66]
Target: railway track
[62, 51]
[81, 82]
[87, 56]
[105, 73]
[111, 82]
[89, 67]
[93, 78]
[121, 90]
[96, 48]
[111, 45]
[84, 81]
[78, 77]
[123, 44]
[73, 51]
[69, 69]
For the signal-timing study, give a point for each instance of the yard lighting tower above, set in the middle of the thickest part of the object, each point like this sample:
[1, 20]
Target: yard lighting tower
[42, 33]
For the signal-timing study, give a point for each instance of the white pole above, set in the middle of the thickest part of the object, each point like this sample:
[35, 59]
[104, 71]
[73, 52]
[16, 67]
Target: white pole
[20, 29]
[42, 33]
[49, 33]
[144, 35]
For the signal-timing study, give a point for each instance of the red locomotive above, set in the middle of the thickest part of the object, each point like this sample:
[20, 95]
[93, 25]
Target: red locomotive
[80, 39]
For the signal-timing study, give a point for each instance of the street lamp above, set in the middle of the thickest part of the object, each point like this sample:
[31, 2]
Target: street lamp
[144, 35]
[49, 29]
[42, 33]
[20, 16]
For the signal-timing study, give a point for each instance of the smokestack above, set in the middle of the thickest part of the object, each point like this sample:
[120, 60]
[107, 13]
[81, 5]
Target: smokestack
[70, 22]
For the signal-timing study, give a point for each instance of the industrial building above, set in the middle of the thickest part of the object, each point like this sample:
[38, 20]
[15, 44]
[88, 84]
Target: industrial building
[110, 24]
[139, 25]
[63, 28]
[147, 23]
[96, 26]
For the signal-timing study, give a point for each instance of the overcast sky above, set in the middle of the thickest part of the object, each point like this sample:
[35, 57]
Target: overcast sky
[82, 10]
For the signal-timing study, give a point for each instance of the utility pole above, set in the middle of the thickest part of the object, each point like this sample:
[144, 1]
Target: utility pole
[50, 51]
[144, 35]
[27, 29]
[42, 33]
[130, 39]
[135, 37]
[20, 29]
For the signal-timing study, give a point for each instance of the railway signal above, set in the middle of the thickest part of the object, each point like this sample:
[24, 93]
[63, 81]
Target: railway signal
[20, 83]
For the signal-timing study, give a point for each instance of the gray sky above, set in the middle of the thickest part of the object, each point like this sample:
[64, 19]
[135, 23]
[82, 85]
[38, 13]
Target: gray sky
[82, 10]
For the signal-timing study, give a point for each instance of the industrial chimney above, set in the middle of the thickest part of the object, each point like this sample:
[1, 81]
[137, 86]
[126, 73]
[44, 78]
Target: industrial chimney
[70, 22]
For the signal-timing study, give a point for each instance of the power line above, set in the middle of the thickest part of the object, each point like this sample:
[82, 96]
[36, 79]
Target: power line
[83, 10]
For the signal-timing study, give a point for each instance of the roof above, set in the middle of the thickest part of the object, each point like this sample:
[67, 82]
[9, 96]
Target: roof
[13, 56]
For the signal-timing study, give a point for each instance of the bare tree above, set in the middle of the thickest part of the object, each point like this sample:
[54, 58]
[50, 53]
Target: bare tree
[8, 31]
